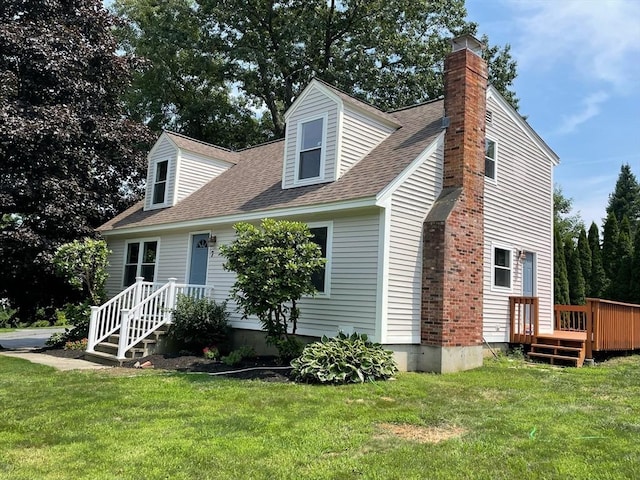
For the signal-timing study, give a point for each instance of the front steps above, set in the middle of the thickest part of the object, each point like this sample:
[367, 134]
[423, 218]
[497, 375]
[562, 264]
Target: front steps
[106, 352]
[558, 349]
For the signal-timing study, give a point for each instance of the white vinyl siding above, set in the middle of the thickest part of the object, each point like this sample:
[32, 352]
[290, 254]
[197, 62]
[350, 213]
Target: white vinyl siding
[194, 171]
[162, 151]
[410, 205]
[360, 135]
[171, 259]
[518, 215]
[315, 105]
[351, 302]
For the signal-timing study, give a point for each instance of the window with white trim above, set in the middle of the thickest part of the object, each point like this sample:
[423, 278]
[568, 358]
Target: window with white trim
[490, 158]
[310, 149]
[502, 267]
[160, 182]
[140, 261]
[320, 278]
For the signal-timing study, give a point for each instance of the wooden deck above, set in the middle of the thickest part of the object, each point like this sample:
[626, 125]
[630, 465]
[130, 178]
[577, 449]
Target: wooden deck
[579, 330]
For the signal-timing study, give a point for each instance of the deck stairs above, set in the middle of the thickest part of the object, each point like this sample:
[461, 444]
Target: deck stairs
[560, 348]
[131, 324]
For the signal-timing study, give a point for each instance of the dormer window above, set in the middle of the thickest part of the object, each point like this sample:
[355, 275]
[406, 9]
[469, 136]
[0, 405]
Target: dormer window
[160, 183]
[311, 145]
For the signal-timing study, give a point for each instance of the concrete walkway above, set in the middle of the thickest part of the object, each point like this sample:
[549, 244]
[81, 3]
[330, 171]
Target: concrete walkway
[21, 344]
[56, 362]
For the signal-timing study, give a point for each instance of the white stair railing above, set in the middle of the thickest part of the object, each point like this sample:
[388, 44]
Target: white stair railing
[154, 311]
[105, 319]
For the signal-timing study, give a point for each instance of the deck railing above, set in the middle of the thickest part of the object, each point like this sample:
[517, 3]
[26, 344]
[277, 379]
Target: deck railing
[524, 319]
[571, 318]
[609, 325]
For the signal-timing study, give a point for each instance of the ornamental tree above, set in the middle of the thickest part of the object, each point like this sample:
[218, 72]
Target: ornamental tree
[274, 265]
[83, 263]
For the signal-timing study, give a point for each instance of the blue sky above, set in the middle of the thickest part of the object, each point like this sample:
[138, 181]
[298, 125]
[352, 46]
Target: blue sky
[578, 84]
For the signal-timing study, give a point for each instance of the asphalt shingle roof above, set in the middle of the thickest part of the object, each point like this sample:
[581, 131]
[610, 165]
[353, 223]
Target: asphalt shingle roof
[253, 184]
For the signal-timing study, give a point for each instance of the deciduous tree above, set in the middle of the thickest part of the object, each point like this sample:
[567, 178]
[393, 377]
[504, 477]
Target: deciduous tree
[70, 160]
[387, 52]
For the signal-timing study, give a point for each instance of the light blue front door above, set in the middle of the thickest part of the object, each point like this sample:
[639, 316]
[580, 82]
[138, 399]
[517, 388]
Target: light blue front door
[199, 258]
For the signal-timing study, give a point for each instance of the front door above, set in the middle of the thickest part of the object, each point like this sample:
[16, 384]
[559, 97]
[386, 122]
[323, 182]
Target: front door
[527, 290]
[527, 275]
[199, 258]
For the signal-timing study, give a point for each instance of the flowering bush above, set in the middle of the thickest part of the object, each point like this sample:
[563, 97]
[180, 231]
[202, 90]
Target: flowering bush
[211, 353]
[76, 345]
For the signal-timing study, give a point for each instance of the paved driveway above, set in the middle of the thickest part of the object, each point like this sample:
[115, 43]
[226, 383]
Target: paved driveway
[27, 337]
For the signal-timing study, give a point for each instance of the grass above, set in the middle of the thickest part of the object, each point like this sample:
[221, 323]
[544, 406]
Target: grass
[506, 420]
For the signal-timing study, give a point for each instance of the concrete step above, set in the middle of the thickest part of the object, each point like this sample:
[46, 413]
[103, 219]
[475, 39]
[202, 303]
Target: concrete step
[102, 359]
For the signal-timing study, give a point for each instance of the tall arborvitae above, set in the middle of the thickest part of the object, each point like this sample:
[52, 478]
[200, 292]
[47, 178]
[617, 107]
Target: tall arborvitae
[574, 274]
[635, 270]
[610, 246]
[584, 256]
[622, 282]
[560, 281]
[625, 199]
[598, 277]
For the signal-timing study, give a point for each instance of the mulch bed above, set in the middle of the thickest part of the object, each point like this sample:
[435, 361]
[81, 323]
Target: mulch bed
[259, 368]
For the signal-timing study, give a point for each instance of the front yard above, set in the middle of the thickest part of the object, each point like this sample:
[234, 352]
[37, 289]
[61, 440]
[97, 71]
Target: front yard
[507, 420]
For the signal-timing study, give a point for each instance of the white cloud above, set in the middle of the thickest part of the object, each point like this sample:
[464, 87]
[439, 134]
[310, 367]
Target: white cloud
[599, 39]
[590, 108]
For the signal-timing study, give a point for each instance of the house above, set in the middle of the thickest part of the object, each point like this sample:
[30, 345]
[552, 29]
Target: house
[431, 217]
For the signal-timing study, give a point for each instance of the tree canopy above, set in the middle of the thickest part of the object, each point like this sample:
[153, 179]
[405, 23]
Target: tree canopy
[387, 52]
[70, 159]
[624, 201]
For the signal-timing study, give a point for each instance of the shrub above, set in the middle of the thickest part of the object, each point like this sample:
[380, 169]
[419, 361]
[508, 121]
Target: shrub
[78, 315]
[40, 324]
[343, 359]
[76, 345]
[210, 353]
[199, 323]
[274, 267]
[238, 355]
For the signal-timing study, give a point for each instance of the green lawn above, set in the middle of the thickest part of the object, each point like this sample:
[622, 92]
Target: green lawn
[507, 420]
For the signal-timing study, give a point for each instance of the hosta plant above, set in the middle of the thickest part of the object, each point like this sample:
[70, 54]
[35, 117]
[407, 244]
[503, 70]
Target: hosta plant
[343, 359]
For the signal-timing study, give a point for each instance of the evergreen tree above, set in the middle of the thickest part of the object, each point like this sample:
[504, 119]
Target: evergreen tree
[625, 199]
[635, 270]
[560, 281]
[598, 277]
[574, 274]
[610, 238]
[621, 286]
[584, 256]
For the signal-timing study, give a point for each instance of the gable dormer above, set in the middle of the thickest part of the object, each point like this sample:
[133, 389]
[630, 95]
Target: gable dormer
[327, 133]
[179, 165]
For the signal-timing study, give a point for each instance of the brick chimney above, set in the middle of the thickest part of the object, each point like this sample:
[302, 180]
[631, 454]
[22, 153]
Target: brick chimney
[452, 271]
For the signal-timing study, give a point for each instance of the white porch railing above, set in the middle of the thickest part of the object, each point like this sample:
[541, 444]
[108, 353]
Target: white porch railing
[137, 312]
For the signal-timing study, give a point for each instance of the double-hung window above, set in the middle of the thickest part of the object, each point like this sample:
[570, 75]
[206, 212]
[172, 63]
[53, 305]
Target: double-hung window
[160, 182]
[140, 261]
[490, 159]
[502, 265]
[310, 150]
[321, 237]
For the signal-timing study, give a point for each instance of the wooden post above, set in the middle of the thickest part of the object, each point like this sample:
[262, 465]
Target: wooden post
[137, 295]
[589, 329]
